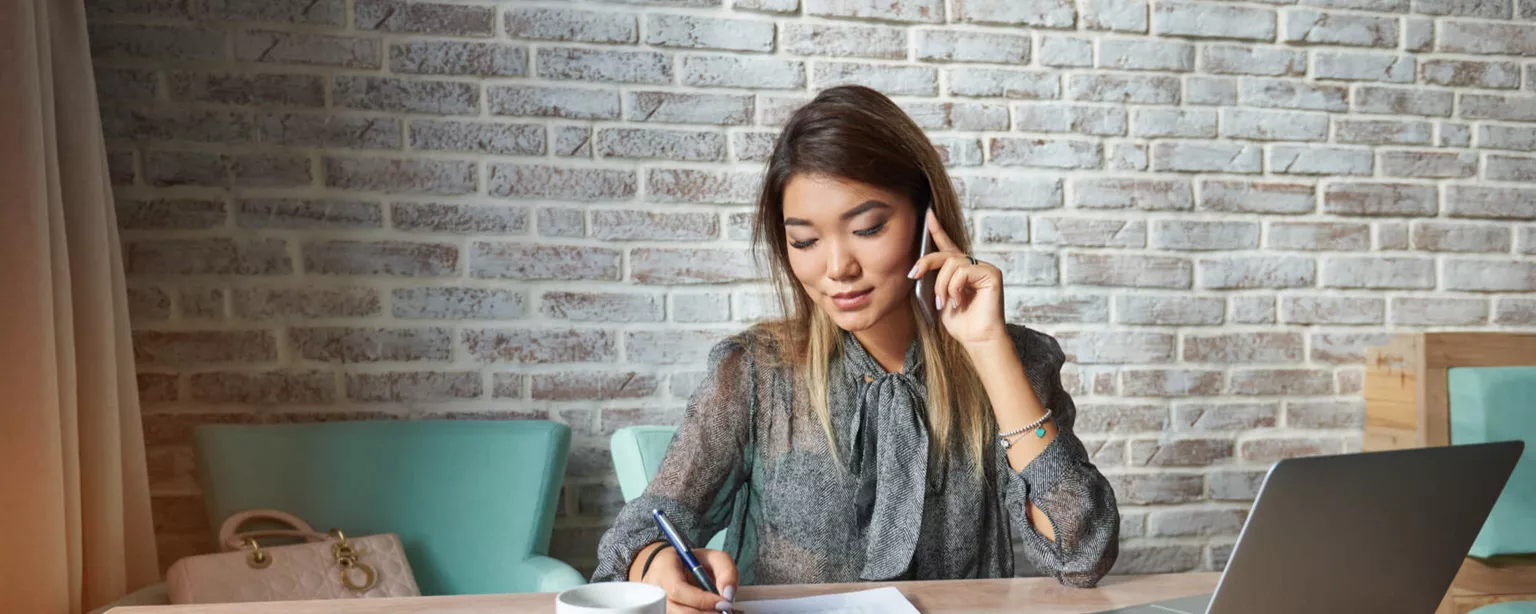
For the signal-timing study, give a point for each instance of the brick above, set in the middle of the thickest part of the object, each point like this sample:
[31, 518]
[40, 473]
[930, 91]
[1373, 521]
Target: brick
[329, 130]
[1157, 559]
[196, 348]
[688, 31]
[458, 58]
[1432, 165]
[1202, 416]
[1402, 101]
[1296, 382]
[1380, 199]
[1519, 312]
[120, 169]
[294, 213]
[1304, 160]
[701, 186]
[1140, 382]
[148, 42]
[1188, 523]
[1004, 228]
[752, 146]
[269, 171]
[444, 177]
[1319, 236]
[1271, 450]
[1204, 235]
[177, 125]
[573, 141]
[966, 116]
[1284, 94]
[324, 12]
[1146, 488]
[1121, 418]
[1345, 348]
[1257, 347]
[669, 347]
[1487, 38]
[207, 257]
[1004, 83]
[248, 89]
[459, 219]
[1210, 91]
[425, 18]
[1042, 13]
[1244, 272]
[922, 11]
[743, 72]
[171, 168]
[776, 110]
[1235, 485]
[1090, 232]
[1147, 194]
[1266, 125]
[553, 182]
[391, 258]
[958, 151]
[562, 222]
[1199, 20]
[1118, 15]
[1490, 276]
[602, 65]
[695, 307]
[1488, 9]
[1135, 89]
[478, 137]
[1412, 311]
[630, 224]
[1340, 29]
[1510, 168]
[962, 46]
[1007, 192]
[1454, 135]
[603, 306]
[1083, 119]
[107, 9]
[202, 304]
[457, 303]
[1126, 54]
[766, 6]
[1391, 235]
[1357, 66]
[1470, 73]
[1527, 9]
[1511, 108]
[1180, 452]
[408, 96]
[1518, 138]
[148, 304]
[1045, 153]
[1252, 310]
[756, 306]
[413, 386]
[1331, 310]
[1162, 123]
[1379, 273]
[1382, 132]
[1490, 202]
[892, 80]
[1064, 52]
[1128, 271]
[1116, 347]
[593, 386]
[1169, 310]
[1025, 268]
[1259, 61]
[264, 388]
[1390, 6]
[170, 214]
[691, 266]
[309, 49]
[1128, 157]
[572, 25]
[499, 260]
[564, 102]
[1325, 414]
[157, 387]
[539, 345]
[1066, 308]
[1201, 156]
[671, 107]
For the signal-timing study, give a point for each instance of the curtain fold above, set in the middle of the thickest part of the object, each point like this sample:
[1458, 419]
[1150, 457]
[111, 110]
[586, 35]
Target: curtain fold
[75, 490]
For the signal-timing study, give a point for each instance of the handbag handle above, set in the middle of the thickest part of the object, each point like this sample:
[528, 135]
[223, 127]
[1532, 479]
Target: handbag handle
[230, 537]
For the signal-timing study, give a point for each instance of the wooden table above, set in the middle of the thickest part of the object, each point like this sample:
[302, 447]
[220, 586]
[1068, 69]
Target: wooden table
[1033, 595]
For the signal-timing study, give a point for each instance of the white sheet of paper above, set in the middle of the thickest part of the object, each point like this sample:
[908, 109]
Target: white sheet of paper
[886, 600]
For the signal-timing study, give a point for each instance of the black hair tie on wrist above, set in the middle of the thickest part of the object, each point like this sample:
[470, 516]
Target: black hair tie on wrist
[649, 559]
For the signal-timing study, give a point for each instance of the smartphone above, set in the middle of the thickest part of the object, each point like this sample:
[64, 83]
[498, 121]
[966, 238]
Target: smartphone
[925, 283]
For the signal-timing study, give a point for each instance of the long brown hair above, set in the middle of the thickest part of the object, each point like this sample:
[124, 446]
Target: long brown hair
[856, 133]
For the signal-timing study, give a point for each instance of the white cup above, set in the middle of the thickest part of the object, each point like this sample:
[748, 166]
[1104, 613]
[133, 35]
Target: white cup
[612, 598]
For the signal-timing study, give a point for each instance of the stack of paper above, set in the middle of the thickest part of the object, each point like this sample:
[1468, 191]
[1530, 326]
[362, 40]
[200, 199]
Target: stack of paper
[886, 600]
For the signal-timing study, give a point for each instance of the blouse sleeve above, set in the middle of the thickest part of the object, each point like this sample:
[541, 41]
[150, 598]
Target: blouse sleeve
[704, 468]
[1061, 481]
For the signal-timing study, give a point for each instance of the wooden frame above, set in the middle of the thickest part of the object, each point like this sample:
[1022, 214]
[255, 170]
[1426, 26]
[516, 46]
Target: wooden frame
[1407, 405]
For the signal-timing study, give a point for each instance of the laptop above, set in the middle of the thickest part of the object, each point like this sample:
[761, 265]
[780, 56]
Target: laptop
[1371, 532]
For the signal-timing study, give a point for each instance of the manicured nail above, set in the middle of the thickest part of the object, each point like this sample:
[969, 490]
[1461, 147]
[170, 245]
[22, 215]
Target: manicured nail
[729, 593]
[724, 606]
[913, 273]
[938, 302]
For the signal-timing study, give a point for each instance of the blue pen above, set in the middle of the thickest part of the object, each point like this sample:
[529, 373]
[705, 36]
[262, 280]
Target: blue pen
[684, 550]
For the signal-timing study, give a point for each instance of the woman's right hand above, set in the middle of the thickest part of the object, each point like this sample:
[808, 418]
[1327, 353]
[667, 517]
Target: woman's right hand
[683, 596]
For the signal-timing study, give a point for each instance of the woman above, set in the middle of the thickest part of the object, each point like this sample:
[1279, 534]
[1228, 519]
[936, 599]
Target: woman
[853, 440]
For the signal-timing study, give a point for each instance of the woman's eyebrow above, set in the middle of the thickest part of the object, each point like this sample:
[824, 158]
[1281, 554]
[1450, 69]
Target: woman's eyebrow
[847, 215]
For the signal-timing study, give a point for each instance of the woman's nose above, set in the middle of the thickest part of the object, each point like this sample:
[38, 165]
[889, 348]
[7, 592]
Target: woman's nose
[841, 264]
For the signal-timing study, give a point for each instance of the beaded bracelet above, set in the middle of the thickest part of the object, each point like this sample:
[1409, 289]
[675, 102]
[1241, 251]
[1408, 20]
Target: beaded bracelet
[649, 559]
[1036, 426]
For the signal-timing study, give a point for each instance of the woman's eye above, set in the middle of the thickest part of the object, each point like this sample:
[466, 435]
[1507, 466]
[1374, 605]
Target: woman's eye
[872, 231]
[802, 244]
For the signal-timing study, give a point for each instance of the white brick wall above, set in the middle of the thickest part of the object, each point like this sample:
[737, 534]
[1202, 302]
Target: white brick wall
[395, 209]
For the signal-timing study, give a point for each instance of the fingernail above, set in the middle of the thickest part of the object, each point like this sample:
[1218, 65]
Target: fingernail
[913, 273]
[729, 594]
[724, 606]
[938, 303]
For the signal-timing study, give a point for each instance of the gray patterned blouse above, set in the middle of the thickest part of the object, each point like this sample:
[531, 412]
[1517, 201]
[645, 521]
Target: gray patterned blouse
[752, 459]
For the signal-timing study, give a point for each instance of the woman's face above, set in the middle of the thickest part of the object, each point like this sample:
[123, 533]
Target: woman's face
[851, 245]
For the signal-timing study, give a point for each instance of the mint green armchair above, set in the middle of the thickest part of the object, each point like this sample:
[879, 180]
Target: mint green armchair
[1498, 404]
[637, 453]
[472, 501]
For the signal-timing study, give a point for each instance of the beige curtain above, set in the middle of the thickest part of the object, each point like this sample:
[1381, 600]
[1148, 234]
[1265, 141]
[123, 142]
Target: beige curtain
[74, 496]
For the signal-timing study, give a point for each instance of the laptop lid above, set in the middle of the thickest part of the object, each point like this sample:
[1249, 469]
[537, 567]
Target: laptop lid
[1372, 532]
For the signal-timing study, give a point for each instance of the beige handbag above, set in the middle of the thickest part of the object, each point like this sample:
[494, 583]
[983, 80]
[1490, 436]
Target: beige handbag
[325, 566]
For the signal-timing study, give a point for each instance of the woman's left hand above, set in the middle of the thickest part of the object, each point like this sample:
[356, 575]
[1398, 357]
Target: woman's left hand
[969, 296]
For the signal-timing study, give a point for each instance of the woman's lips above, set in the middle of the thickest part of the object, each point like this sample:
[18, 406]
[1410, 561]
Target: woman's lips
[848, 301]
